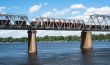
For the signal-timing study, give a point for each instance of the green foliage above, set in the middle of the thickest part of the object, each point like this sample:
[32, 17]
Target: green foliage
[100, 37]
[10, 39]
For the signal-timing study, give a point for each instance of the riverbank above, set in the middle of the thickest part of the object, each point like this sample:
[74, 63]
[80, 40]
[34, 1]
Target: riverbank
[53, 41]
[98, 37]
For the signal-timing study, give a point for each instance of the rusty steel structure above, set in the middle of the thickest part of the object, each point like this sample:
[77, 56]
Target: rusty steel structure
[94, 23]
[19, 22]
[14, 22]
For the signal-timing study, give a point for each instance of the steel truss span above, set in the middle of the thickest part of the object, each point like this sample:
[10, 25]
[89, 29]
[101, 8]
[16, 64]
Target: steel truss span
[19, 22]
[13, 22]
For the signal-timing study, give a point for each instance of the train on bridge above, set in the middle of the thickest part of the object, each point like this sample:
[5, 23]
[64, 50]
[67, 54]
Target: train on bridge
[95, 23]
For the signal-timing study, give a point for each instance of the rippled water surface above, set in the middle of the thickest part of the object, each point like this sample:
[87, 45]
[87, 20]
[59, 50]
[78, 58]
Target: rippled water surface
[55, 53]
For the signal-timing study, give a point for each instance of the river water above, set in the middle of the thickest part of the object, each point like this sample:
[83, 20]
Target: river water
[55, 53]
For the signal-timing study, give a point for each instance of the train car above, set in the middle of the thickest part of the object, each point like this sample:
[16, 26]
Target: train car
[4, 23]
[20, 23]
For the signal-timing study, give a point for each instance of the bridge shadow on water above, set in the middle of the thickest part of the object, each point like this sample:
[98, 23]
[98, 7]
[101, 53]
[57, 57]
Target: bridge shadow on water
[86, 57]
[33, 59]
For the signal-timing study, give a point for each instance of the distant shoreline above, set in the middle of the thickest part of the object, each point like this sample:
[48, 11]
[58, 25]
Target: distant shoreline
[54, 41]
[98, 37]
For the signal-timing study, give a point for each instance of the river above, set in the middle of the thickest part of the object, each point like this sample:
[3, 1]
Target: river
[55, 53]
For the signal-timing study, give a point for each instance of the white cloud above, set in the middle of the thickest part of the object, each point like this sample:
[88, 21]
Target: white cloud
[77, 6]
[75, 12]
[47, 14]
[57, 33]
[80, 17]
[54, 9]
[93, 10]
[40, 33]
[34, 8]
[13, 33]
[56, 12]
[103, 10]
[2, 8]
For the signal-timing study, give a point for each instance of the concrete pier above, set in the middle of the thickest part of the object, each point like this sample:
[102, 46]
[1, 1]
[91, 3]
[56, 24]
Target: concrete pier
[32, 48]
[86, 40]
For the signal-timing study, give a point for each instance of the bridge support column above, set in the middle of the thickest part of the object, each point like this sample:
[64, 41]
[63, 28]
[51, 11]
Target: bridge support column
[32, 48]
[86, 40]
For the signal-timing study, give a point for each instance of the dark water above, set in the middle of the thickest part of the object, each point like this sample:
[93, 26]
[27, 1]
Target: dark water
[55, 53]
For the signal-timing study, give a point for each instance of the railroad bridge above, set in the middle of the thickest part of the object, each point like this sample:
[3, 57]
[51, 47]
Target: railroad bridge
[95, 22]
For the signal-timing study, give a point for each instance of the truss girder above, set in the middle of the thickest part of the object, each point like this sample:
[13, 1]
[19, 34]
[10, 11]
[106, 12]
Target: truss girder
[94, 23]
[13, 21]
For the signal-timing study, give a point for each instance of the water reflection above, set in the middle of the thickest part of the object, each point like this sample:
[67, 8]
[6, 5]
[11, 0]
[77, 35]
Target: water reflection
[86, 57]
[33, 59]
[86, 52]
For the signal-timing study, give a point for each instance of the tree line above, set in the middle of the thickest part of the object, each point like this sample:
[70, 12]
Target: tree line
[98, 37]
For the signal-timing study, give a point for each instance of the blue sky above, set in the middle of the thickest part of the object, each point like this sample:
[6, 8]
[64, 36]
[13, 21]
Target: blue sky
[22, 6]
[54, 8]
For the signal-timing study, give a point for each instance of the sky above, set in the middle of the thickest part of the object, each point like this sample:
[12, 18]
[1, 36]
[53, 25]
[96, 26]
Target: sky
[52, 8]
